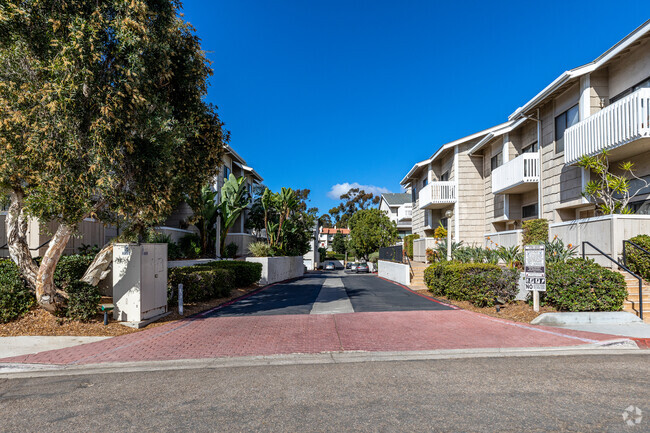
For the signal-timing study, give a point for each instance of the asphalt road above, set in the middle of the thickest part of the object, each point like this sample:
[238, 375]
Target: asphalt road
[536, 394]
[366, 292]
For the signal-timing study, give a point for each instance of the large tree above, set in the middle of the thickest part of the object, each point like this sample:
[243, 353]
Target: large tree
[352, 201]
[371, 229]
[101, 115]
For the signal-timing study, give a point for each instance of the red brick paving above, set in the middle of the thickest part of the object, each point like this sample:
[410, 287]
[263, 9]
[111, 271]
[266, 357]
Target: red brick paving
[215, 337]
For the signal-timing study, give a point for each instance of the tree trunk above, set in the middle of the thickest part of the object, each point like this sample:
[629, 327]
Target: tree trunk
[17, 238]
[46, 294]
[100, 267]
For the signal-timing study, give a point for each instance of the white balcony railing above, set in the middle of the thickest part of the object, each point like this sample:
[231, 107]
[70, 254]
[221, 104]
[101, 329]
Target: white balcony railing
[620, 123]
[437, 194]
[515, 174]
[405, 212]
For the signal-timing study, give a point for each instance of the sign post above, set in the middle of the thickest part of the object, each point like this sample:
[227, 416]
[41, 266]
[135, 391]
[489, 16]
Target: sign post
[535, 271]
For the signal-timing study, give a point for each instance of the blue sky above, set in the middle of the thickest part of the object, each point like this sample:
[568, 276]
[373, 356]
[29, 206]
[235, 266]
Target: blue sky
[318, 94]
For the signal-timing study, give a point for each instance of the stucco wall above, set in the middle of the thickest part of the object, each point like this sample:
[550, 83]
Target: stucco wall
[276, 269]
[398, 272]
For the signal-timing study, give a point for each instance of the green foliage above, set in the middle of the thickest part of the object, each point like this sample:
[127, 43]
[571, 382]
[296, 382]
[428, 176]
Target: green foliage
[339, 244]
[611, 192]
[478, 283]
[70, 269]
[371, 229]
[234, 199]
[408, 244]
[556, 251]
[374, 257]
[513, 257]
[582, 285]
[173, 250]
[440, 250]
[469, 254]
[87, 250]
[190, 246]
[535, 231]
[244, 273]
[352, 202]
[15, 297]
[322, 253]
[231, 250]
[83, 300]
[206, 211]
[200, 283]
[440, 232]
[260, 249]
[637, 260]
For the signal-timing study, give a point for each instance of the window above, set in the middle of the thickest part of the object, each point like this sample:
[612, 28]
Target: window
[250, 189]
[529, 211]
[445, 222]
[640, 207]
[562, 122]
[414, 194]
[425, 182]
[226, 172]
[531, 148]
[427, 218]
[444, 177]
[496, 160]
[624, 93]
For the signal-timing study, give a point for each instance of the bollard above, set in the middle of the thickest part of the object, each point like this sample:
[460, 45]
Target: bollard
[180, 299]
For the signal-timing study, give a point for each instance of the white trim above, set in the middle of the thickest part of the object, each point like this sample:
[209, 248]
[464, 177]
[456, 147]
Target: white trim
[600, 218]
[174, 229]
[505, 232]
[509, 126]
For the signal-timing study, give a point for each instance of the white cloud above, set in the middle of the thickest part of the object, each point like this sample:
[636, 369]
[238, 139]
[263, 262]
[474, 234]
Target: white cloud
[341, 188]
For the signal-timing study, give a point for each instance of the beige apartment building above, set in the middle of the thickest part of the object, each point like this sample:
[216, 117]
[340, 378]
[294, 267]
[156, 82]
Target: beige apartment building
[527, 167]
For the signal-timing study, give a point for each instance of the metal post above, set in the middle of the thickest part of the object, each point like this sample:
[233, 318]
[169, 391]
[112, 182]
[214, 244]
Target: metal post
[624, 255]
[448, 242]
[640, 299]
[180, 299]
[105, 317]
[536, 301]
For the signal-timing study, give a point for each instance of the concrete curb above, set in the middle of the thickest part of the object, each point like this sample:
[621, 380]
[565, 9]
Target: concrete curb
[586, 318]
[610, 347]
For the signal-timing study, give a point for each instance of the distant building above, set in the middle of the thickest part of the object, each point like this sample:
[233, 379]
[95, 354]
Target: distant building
[398, 207]
[326, 236]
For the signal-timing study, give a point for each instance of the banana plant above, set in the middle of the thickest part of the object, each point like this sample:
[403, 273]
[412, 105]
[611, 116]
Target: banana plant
[278, 207]
[234, 199]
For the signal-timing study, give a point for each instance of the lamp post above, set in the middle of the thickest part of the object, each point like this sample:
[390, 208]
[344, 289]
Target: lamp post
[448, 215]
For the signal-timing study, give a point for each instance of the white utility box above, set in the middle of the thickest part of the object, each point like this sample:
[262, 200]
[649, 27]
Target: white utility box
[139, 282]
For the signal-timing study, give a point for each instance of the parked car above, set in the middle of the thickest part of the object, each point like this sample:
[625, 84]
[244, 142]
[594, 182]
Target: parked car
[353, 266]
[363, 267]
[348, 265]
[330, 266]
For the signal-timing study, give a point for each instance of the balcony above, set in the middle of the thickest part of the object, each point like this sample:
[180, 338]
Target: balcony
[404, 212]
[621, 128]
[516, 176]
[437, 195]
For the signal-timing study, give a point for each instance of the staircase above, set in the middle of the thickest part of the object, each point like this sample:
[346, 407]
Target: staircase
[417, 276]
[631, 304]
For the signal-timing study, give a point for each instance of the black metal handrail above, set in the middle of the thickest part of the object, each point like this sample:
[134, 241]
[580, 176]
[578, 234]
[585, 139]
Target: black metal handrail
[622, 266]
[4, 247]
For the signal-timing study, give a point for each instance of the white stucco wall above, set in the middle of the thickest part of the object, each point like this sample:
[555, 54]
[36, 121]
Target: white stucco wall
[276, 269]
[397, 272]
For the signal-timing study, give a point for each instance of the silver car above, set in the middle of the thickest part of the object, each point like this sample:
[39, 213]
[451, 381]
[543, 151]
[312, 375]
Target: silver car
[330, 266]
[353, 267]
[362, 268]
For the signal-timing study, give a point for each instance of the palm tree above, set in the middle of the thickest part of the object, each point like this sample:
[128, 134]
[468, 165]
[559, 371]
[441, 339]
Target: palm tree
[234, 199]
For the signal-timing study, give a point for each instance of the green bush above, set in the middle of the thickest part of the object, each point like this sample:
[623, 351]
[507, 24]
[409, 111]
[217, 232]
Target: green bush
[408, 244]
[263, 249]
[582, 285]
[200, 283]
[15, 297]
[478, 283]
[637, 260]
[190, 246]
[71, 268]
[244, 273]
[535, 231]
[231, 250]
[173, 250]
[83, 300]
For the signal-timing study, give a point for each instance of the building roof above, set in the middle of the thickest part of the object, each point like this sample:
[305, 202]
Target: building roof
[334, 230]
[396, 198]
[568, 76]
[506, 127]
[253, 173]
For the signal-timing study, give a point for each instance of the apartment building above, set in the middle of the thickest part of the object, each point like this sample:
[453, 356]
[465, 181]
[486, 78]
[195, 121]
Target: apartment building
[398, 207]
[326, 236]
[527, 167]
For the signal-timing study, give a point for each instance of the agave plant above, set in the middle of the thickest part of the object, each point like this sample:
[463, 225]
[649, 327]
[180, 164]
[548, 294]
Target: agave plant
[441, 249]
[511, 256]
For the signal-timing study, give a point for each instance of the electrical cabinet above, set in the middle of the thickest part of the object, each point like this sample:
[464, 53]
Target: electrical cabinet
[139, 281]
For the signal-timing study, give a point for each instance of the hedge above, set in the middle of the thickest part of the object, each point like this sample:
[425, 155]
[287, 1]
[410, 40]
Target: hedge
[244, 273]
[478, 283]
[71, 268]
[535, 231]
[83, 299]
[582, 285]
[637, 260]
[408, 244]
[200, 283]
[15, 297]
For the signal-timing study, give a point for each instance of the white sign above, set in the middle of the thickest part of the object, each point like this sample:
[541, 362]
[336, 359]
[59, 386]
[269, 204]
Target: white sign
[535, 267]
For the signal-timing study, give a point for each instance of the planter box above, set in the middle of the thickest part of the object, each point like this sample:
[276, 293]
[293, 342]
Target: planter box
[398, 272]
[276, 269]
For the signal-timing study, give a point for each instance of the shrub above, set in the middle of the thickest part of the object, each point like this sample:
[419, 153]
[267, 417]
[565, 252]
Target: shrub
[200, 283]
[173, 250]
[431, 255]
[190, 246]
[535, 231]
[15, 297]
[557, 252]
[244, 273]
[83, 300]
[262, 249]
[231, 250]
[408, 244]
[637, 260]
[374, 257]
[478, 283]
[582, 285]
[440, 232]
[71, 268]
